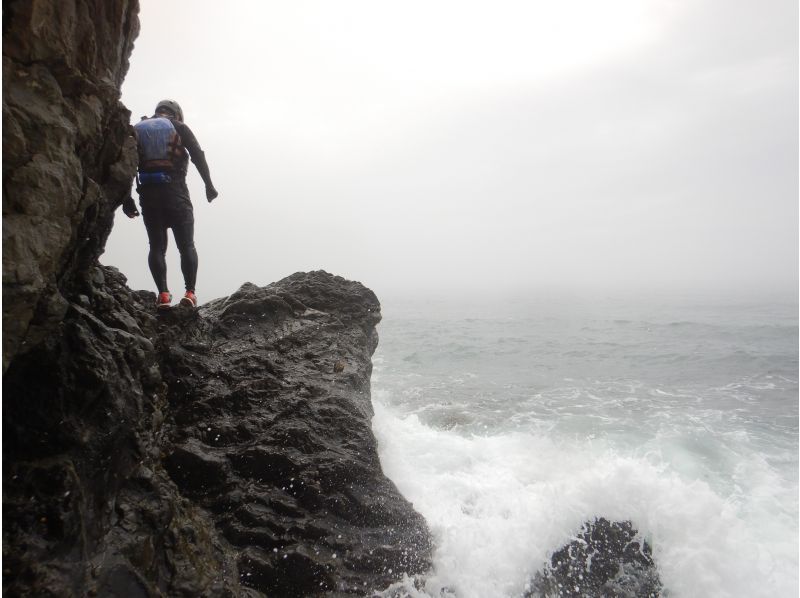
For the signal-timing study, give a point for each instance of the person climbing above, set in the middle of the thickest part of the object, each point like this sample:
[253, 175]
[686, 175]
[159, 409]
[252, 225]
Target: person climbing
[165, 143]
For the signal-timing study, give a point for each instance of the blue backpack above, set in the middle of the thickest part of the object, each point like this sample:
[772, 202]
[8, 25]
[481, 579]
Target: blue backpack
[160, 149]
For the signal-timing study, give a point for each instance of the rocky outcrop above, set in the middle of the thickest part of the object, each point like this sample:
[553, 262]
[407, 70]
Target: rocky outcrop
[270, 395]
[605, 559]
[219, 452]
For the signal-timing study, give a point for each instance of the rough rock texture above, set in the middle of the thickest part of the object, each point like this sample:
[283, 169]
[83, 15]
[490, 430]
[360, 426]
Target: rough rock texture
[270, 397]
[225, 452]
[67, 155]
[220, 452]
[605, 560]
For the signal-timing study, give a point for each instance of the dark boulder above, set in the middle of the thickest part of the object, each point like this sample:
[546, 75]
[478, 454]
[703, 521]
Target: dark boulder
[606, 559]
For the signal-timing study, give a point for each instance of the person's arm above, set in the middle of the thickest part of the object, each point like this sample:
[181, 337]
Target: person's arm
[198, 158]
[129, 207]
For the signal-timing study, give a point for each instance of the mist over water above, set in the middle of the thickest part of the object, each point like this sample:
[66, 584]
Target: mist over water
[510, 425]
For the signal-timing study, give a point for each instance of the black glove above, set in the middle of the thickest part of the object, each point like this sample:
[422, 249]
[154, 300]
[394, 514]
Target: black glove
[211, 193]
[129, 208]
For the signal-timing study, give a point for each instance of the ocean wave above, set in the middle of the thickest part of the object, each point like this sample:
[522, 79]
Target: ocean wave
[499, 505]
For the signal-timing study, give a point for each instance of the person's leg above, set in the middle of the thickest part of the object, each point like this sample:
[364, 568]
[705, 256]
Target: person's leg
[184, 239]
[157, 235]
[182, 223]
[157, 258]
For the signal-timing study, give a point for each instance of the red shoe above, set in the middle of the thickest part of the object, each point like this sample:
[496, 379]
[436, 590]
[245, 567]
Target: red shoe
[163, 300]
[189, 299]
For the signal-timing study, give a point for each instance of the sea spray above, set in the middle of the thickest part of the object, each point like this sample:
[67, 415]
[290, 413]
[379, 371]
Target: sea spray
[498, 507]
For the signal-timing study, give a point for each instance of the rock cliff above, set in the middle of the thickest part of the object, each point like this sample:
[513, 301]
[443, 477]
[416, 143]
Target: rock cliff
[67, 152]
[220, 452]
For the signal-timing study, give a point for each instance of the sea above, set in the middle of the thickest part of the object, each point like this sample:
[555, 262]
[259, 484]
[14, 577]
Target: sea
[510, 423]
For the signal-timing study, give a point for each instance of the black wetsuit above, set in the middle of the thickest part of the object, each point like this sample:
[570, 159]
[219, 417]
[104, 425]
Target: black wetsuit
[167, 205]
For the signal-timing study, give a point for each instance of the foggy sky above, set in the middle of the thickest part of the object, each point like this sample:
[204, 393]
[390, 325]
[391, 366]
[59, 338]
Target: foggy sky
[425, 146]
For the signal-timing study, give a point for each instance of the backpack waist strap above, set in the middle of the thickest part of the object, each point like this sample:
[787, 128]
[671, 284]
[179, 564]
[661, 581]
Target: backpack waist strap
[154, 178]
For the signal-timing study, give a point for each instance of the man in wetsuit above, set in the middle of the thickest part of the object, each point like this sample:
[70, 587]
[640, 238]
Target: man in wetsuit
[165, 145]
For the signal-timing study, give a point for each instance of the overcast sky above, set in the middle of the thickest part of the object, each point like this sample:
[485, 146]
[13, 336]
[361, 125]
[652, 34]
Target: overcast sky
[424, 146]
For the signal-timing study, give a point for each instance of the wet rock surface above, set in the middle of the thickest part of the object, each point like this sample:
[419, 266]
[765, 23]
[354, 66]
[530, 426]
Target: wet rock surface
[606, 559]
[270, 395]
[87, 506]
[225, 451]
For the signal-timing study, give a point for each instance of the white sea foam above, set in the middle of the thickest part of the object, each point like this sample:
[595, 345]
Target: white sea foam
[499, 505]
